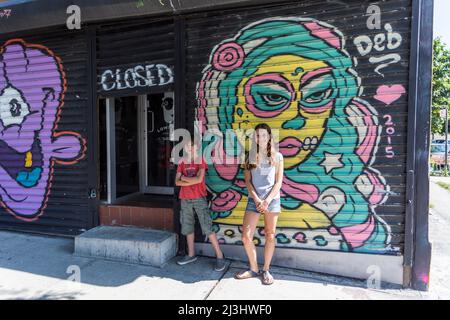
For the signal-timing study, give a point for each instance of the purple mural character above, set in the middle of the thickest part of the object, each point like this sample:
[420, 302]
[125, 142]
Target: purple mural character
[32, 90]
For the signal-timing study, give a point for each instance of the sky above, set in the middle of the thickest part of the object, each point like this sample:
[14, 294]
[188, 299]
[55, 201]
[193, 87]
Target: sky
[441, 20]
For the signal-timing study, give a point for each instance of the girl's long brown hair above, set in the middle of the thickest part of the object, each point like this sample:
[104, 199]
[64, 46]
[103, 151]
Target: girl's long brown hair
[251, 158]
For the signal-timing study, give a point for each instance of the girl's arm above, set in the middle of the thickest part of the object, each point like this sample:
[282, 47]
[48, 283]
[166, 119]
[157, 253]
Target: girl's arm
[251, 190]
[278, 182]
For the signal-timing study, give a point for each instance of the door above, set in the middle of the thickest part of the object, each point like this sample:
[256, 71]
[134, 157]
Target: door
[136, 146]
[119, 148]
[157, 125]
[126, 146]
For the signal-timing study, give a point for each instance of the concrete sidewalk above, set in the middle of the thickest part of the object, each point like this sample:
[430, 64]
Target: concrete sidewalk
[439, 222]
[38, 267]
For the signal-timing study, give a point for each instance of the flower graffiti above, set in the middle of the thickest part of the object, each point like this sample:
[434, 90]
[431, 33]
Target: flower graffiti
[295, 74]
[32, 89]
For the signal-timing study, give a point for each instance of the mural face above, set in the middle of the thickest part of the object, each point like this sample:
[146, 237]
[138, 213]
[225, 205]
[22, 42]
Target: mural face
[296, 75]
[276, 92]
[32, 89]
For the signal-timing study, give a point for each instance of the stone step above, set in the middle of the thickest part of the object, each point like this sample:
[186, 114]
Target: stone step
[127, 244]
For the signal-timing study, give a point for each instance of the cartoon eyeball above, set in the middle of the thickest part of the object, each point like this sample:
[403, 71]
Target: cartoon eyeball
[13, 109]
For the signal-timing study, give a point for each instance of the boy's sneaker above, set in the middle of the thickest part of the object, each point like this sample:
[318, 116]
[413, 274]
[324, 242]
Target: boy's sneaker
[220, 264]
[186, 259]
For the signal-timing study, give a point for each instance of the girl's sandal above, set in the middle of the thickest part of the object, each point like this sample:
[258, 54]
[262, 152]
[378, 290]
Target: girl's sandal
[267, 278]
[246, 274]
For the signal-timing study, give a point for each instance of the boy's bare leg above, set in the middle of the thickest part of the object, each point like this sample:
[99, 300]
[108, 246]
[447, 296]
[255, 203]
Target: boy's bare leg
[215, 244]
[190, 244]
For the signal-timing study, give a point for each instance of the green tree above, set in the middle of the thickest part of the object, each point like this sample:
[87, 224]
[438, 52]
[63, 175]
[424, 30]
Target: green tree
[441, 84]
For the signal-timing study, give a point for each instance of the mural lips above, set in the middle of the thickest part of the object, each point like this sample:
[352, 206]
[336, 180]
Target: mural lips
[25, 168]
[290, 147]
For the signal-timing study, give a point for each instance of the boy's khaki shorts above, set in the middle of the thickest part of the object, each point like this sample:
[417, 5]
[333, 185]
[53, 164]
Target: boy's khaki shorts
[187, 218]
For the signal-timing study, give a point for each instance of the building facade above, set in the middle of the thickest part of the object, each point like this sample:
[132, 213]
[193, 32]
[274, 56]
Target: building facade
[88, 118]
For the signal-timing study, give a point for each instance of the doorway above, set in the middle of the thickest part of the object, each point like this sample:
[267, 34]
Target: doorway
[135, 146]
[157, 126]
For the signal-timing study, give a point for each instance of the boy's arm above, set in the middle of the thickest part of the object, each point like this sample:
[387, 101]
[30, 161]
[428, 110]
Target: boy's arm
[179, 182]
[197, 179]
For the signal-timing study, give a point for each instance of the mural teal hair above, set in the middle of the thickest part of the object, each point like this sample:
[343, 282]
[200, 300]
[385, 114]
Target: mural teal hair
[284, 38]
[290, 37]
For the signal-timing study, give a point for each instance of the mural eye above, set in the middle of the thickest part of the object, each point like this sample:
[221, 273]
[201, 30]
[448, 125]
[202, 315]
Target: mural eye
[318, 96]
[270, 96]
[13, 109]
[318, 91]
[274, 99]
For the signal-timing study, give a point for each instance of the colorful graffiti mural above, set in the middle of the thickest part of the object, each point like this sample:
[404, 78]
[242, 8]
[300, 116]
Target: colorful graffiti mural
[296, 75]
[32, 90]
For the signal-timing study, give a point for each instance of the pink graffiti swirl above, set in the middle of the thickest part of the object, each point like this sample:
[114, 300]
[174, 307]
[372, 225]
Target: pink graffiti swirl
[226, 201]
[228, 56]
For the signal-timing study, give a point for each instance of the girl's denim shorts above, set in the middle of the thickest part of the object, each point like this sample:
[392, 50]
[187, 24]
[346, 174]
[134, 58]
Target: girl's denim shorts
[274, 206]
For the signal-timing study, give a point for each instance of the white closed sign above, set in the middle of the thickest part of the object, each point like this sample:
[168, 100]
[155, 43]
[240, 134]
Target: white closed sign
[138, 76]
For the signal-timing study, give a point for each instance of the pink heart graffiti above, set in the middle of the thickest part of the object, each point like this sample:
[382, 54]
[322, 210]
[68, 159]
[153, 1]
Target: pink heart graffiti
[389, 94]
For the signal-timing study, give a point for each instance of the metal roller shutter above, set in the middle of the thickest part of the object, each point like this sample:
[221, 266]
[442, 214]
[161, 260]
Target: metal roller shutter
[135, 57]
[332, 78]
[44, 131]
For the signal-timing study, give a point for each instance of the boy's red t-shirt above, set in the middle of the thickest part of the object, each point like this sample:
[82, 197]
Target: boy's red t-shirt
[189, 169]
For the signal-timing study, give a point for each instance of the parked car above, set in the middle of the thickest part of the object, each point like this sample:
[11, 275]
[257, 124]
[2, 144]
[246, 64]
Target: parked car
[441, 141]
[438, 156]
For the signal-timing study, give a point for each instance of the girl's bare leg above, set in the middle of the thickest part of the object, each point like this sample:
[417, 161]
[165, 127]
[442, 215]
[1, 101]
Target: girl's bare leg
[248, 230]
[270, 222]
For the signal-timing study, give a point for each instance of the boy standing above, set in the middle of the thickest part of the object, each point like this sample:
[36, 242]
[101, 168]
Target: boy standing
[191, 178]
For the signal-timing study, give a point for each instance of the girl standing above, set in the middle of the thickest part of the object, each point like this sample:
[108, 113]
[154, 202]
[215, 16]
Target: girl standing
[263, 177]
